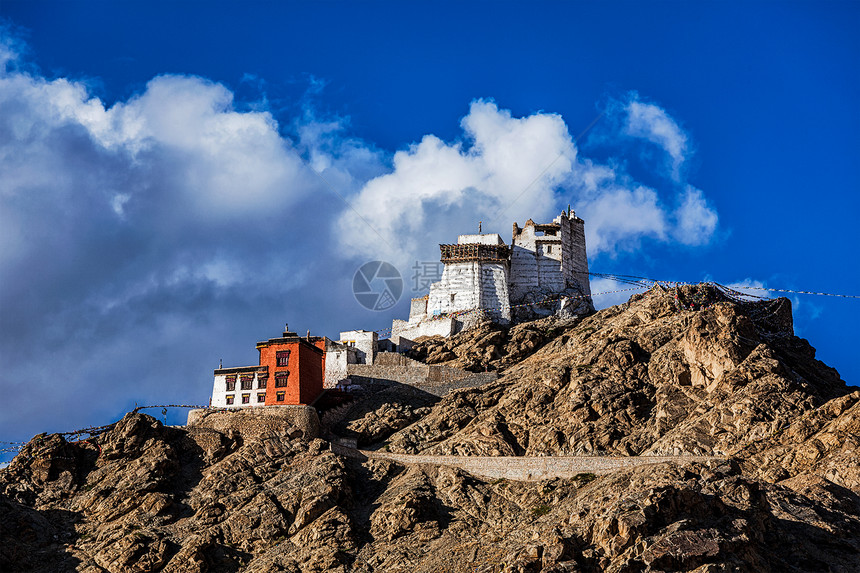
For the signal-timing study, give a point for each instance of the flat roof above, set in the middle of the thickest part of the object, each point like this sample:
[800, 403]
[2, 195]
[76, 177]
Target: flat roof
[293, 340]
[240, 369]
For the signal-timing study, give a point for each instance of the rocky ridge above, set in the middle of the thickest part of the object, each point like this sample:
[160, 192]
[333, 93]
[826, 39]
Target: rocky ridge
[651, 376]
[648, 377]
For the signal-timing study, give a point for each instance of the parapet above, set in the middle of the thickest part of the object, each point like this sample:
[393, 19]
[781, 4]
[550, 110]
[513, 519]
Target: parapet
[481, 239]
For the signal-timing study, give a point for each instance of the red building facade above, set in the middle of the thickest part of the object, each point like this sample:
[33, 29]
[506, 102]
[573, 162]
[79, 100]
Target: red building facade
[290, 371]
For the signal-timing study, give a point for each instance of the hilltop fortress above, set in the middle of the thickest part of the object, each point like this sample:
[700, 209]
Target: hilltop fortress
[543, 271]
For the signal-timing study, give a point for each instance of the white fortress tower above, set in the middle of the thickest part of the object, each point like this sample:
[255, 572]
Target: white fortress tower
[543, 271]
[549, 260]
[475, 277]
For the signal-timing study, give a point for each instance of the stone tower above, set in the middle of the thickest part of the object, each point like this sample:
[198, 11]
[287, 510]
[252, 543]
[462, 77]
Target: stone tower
[548, 260]
[475, 277]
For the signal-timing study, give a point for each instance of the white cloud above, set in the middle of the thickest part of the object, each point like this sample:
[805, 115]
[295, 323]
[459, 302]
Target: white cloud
[218, 162]
[695, 220]
[7, 55]
[505, 169]
[344, 162]
[652, 123]
[618, 218]
[131, 233]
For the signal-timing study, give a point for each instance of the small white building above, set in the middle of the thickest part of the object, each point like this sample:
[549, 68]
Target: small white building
[475, 277]
[363, 341]
[354, 347]
[240, 387]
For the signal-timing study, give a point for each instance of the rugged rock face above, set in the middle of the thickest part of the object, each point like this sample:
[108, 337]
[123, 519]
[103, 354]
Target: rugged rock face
[649, 376]
[489, 346]
[374, 417]
[154, 501]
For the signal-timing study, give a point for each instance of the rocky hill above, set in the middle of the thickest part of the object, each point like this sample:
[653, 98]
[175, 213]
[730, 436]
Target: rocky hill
[673, 371]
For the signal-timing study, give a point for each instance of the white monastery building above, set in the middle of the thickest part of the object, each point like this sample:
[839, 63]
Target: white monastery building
[544, 270]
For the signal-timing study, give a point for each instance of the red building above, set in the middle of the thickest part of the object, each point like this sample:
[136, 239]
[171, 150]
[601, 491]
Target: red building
[296, 368]
[291, 370]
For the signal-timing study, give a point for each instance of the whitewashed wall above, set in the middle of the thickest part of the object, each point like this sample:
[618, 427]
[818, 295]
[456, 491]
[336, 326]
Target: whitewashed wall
[364, 341]
[543, 264]
[442, 326]
[220, 393]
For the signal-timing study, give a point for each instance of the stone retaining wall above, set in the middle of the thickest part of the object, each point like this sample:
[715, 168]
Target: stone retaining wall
[411, 375]
[434, 379]
[395, 359]
[258, 421]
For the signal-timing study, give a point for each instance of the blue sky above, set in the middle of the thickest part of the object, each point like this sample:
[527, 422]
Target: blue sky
[178, 179]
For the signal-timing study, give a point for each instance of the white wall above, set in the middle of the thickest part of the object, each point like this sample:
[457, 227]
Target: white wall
[364, 341]
[220, 393]
[337, 356]
[495, 298]
[542, 265]
[576, 258]
[483, 239]
[458, 289]
[442, 326]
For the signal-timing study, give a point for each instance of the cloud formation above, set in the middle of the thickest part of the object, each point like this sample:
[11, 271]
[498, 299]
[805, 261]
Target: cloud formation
[650, 122]
[754, 289]
[505, 169]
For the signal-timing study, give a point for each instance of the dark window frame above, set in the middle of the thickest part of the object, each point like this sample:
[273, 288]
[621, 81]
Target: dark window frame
[282, 358]
[230, 399]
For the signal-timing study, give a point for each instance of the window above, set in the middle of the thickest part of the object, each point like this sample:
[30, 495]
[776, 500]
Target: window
[261, 397]
[280, 396]
[262, 379]
[247, 381]
[549, 248]
[452, 298]
[229, 399]
[281, 379]
[283, 357]
[231, 382]
[246, 398]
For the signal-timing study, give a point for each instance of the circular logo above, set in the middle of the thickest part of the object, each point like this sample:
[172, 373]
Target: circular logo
[377, 285]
